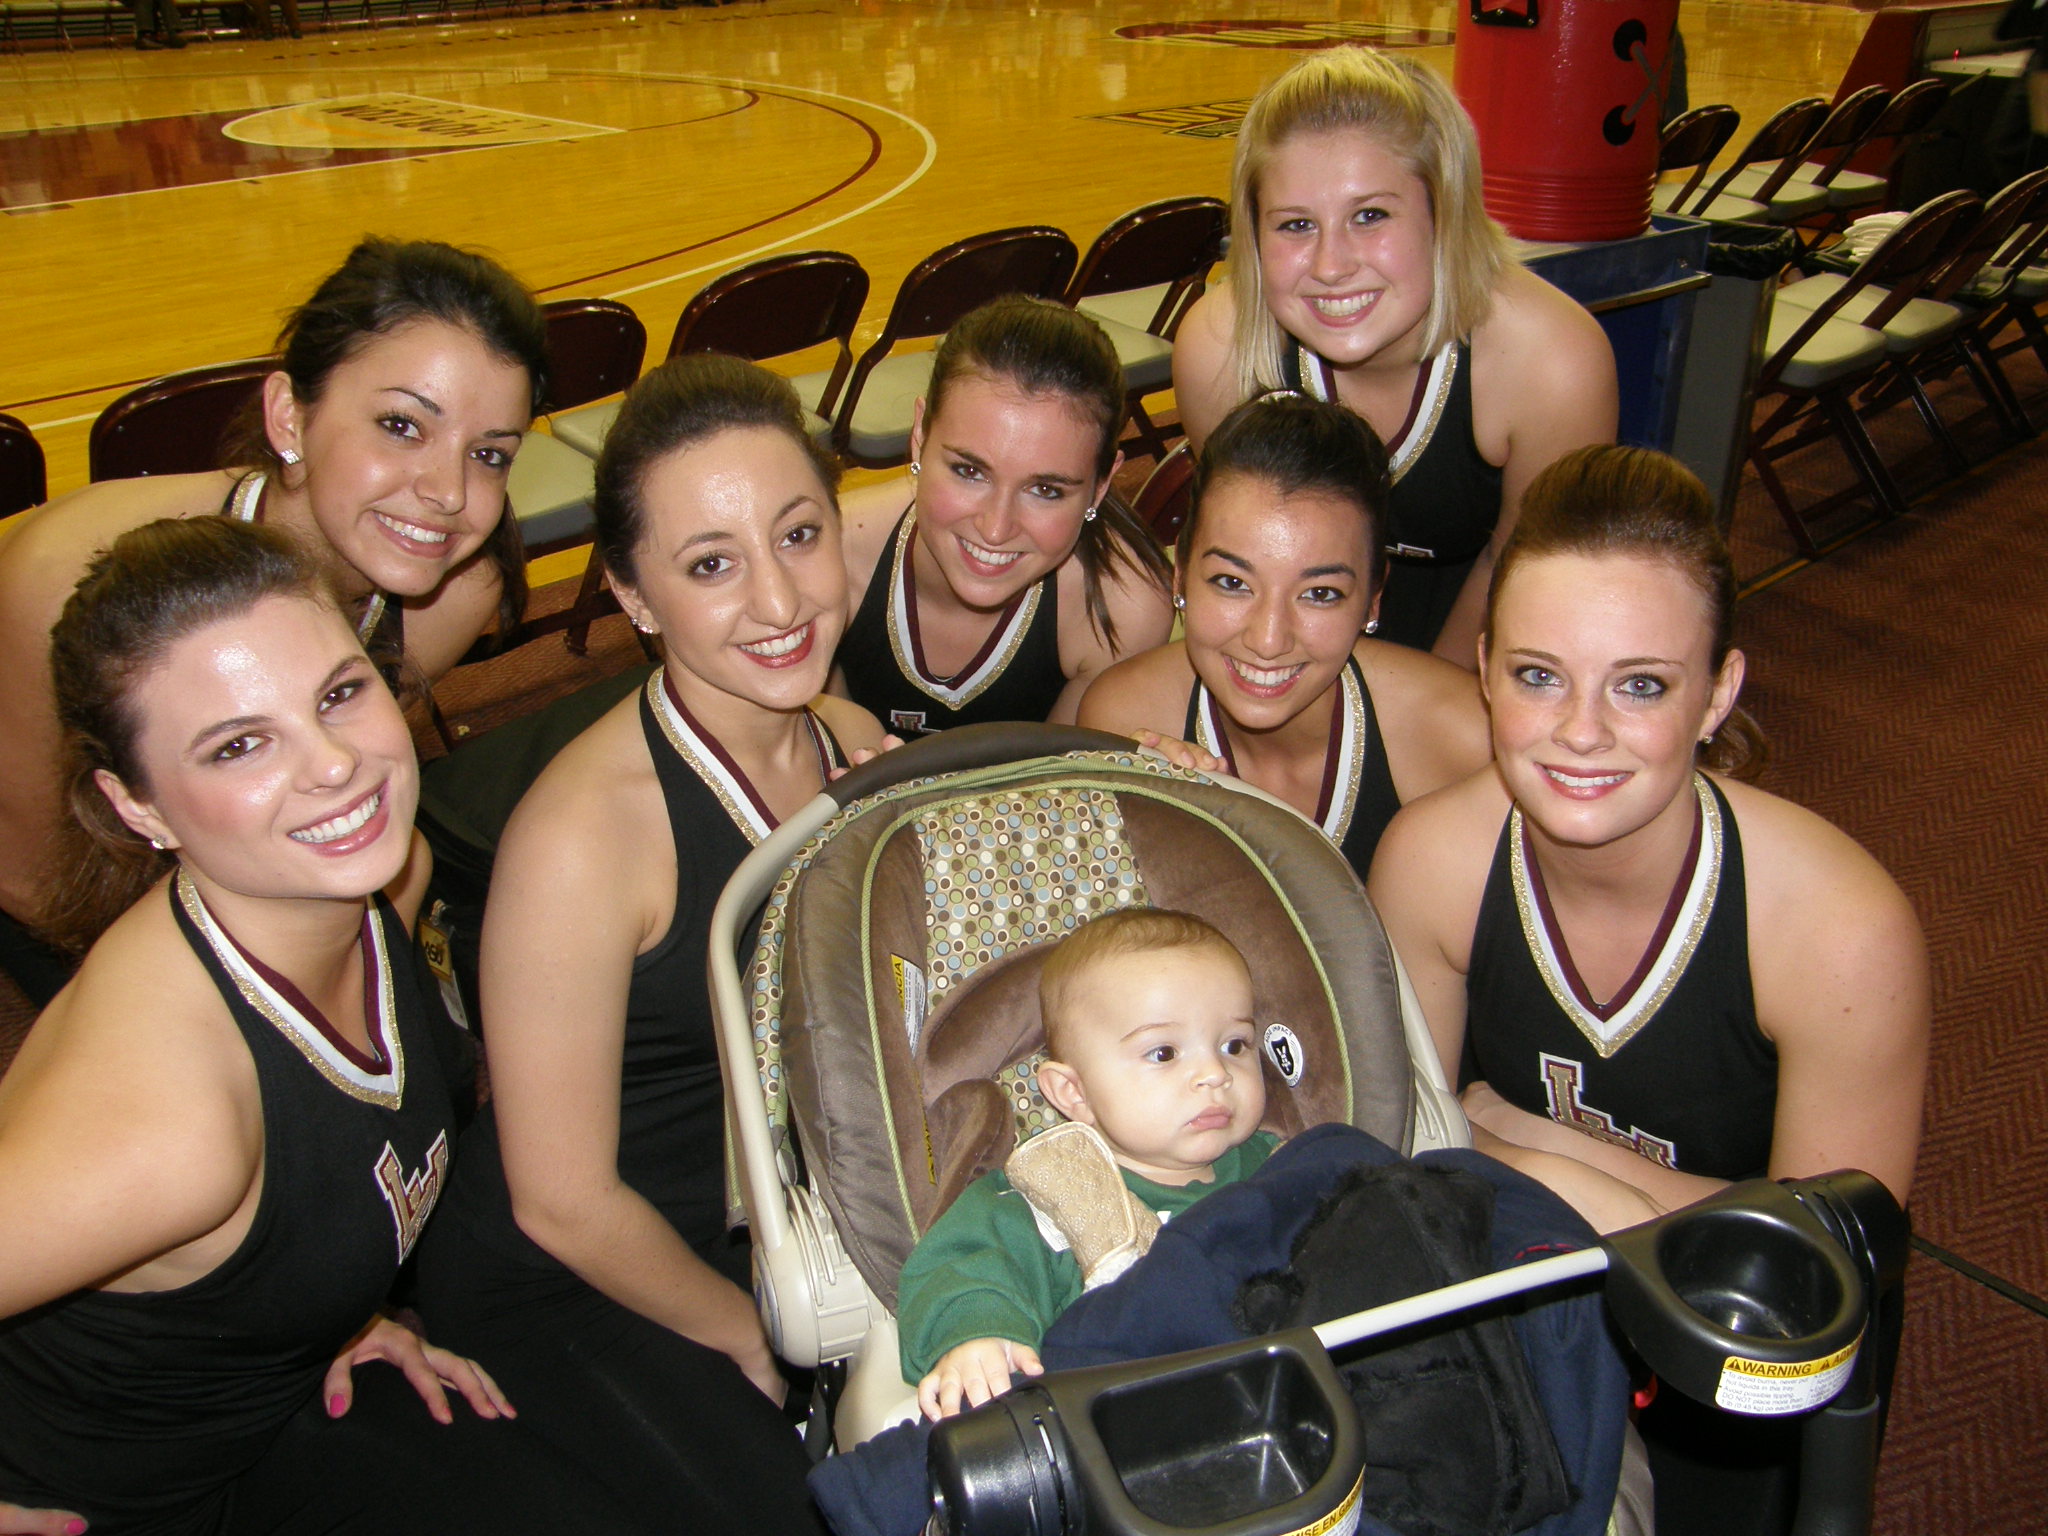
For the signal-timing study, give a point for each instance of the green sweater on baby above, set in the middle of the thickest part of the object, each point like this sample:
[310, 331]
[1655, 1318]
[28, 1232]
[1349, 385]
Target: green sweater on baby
[986, 1271]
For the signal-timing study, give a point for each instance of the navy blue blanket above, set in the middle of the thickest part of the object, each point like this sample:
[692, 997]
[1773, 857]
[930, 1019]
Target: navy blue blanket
[1179, 1296]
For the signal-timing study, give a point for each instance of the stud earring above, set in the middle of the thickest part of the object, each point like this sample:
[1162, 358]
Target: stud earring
[1707, 740]
[645, 628]
[1372, 626]
[916, 468]
[1180, 603]
[157, 843]
[290, 456]
[1088, 516]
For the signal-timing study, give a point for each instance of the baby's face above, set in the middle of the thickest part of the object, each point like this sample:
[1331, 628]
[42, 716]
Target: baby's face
[1166, 1059]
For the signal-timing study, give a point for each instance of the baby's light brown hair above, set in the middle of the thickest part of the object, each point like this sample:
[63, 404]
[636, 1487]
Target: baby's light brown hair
[1128, 931]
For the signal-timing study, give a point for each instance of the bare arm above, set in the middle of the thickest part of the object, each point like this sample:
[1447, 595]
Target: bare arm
[126, 1152]
[1428, 900]
[1204, 373]
[1543, 384]
[573, 901]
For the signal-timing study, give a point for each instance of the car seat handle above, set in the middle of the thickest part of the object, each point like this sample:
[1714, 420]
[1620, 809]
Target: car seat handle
[971, 746]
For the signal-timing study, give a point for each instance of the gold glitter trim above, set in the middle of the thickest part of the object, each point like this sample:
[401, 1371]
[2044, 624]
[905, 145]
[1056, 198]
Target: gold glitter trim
[702, 763]
[1353, 703]
[1410, 452]
[1670, 966]
[301, 1033]
[899, 642]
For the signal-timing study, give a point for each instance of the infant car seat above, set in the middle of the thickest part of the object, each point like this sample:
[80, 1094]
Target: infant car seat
[881, 1050]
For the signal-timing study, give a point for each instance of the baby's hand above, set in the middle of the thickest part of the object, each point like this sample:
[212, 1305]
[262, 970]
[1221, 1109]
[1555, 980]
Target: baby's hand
[977, 1370]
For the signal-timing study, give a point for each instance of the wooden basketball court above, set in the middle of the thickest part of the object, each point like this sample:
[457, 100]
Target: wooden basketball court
[162, 209]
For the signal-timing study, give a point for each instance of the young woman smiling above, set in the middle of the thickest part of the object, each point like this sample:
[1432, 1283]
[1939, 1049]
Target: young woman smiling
[1014, 576]
[1367, 272]
[404, 387]
[1279, 571]
[1652, 979]
[221, 1141]
[585, 1245]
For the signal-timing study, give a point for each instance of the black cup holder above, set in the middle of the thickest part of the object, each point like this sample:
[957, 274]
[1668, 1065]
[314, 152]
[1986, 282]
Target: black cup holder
[1745, 1300]
[1252, 1439]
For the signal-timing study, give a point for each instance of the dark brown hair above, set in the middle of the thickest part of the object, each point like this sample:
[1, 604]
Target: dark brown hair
[686, 401]
[1608, 500]
[385, 285]
[1126, 931]
[1294, 443]
[157, 584]
[1039, 348]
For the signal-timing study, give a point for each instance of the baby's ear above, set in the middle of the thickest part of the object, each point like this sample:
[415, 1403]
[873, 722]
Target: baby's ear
[1061, 1085]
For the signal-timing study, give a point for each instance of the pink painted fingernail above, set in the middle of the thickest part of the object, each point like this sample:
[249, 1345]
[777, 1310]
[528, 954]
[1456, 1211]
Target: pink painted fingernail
[336, 1406]
[74, 1527]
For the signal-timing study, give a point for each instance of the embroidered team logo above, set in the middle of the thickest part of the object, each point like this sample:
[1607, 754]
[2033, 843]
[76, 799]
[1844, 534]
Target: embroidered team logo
[1563, 1082]
[412, 1196]
[910, 722]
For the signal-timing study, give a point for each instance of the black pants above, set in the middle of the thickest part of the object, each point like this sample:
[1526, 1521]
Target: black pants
[672, 1429]
[385, 1468]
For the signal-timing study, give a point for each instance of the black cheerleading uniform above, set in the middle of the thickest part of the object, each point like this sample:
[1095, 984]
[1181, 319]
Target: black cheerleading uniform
[1015, 676]
[196, 1410]
[1446, 497]
[1357, 799]
[1675, 1067]
[670, 1426]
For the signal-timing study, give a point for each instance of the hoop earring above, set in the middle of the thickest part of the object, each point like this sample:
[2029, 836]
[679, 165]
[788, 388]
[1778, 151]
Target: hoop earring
[289, 457]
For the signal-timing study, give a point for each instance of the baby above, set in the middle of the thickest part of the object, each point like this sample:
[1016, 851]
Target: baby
[1148, 1027]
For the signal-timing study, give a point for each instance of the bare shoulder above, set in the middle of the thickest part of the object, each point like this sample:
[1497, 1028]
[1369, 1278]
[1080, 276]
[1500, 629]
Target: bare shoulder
[1531, 319]
[1140, 609]
[1146, 692]
[855, 728]
[1433, 859]
[1431, 716]
[597, 803]
[1204, 377]
[1812, 888]
[1543, 379]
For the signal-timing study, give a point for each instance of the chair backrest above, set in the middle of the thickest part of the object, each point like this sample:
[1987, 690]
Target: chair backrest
[1780, 138]
[1839, 136]
[1902, 264]
[1168, 494]
[775, 307]
[1911, 110]
[1172, 243]
[2015, 216]
[1034, 260]
[1691, 140]
[24, 483]
[176, 425]
[595, 348]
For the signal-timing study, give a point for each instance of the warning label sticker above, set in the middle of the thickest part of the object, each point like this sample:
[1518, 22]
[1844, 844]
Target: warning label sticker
[1341, 1521]
[1767, 1387]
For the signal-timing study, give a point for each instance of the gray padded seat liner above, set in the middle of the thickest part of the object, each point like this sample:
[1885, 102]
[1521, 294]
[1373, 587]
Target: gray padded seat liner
[550, 490]
[1838, 350]
[1849, 189]
[891, 1134]
[1724, 209]
[1920, 323]
[881, 417]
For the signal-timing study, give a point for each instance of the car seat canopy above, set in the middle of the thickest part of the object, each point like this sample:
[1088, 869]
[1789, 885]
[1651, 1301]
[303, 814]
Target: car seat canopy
[896, 987]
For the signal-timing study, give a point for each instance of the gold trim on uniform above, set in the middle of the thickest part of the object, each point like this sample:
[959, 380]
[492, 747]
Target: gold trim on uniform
[899, 640]
[1445, 366]
[311, 1044]
[716, 776]
[1351, 769]
[1610, 1035]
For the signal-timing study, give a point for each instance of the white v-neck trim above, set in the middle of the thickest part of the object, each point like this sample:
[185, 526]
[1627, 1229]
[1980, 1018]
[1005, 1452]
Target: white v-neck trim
[1343, 765]
[996, 653]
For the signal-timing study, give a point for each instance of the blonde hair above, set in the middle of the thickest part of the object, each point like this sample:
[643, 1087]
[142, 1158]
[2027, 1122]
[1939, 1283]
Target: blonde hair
[1416, 118]
[1128, 931]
